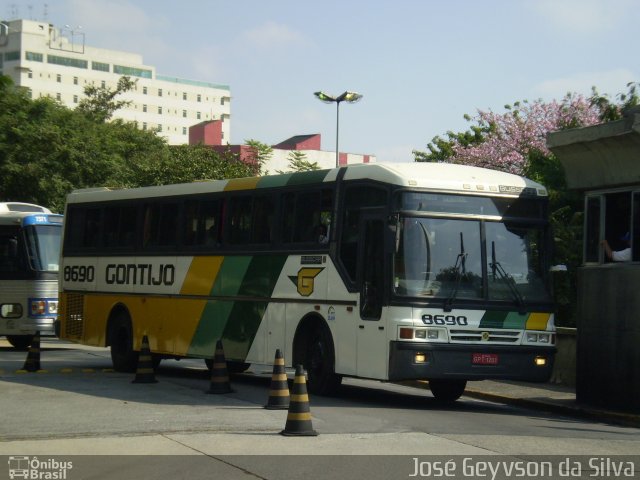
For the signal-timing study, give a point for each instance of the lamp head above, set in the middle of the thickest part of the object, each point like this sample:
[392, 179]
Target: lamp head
[324, 97]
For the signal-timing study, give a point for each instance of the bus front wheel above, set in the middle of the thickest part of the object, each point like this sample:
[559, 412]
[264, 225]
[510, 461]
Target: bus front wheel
[20, 342]
[320, 363]
[123, 356]
[447, 390]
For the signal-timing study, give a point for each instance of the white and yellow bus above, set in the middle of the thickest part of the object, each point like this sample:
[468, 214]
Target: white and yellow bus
[388, 272]
[30, 238]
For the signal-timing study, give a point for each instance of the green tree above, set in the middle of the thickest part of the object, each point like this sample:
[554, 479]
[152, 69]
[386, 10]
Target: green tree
[298, 162]
[186, 163]
[260, 154]
[47, 150]
[100, 103]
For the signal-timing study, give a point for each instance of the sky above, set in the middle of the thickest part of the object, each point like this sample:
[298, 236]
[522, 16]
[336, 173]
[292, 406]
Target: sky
[421, 65]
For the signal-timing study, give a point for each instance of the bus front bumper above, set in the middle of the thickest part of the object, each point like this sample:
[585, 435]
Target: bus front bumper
[423, 361]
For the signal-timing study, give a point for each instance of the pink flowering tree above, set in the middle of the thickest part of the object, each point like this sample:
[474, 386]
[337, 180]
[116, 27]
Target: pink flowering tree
[511, 137]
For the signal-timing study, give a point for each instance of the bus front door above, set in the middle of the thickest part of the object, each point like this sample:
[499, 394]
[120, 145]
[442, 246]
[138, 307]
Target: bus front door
[371, 336]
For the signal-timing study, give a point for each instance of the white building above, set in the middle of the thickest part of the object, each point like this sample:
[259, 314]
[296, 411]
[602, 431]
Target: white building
[57, 63]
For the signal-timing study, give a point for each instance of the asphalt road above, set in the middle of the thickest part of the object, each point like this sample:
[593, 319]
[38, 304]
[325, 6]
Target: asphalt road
[79, 406]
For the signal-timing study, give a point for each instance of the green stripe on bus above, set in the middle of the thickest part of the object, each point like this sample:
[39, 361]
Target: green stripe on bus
[274, 181]
[210, 328]
[237, 322]
[516, 320]
[231, 275]
[245, 318]
[303, 178]
[492, 319]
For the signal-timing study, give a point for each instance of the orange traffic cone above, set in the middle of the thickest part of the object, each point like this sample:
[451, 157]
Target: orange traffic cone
[144, 371]
[219, 374]
[299, 416]
[279, 391]
[32, 363]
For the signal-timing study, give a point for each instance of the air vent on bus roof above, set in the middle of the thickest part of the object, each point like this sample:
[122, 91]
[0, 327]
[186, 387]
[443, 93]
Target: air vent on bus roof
[22, 207]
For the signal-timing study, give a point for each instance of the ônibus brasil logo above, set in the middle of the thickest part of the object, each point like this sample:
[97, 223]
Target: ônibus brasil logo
[33, 468]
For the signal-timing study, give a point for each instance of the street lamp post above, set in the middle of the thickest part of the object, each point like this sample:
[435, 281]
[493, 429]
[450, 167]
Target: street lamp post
[350, 97]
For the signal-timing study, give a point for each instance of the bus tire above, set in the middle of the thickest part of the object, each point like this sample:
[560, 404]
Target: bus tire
[319, 362]
[20, 342]
[447, 391]
[123, 356]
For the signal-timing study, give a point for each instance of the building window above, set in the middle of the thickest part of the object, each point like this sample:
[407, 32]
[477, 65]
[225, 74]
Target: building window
[144, 90]
[30, 74]
[58, 97]
[184, 114]
[198, 115]
[159, 110]
[101, 67]
[144, 125]
[199, 97]
[159, 92]
[9, 56]
[34, 57]
[184, 95]
[144, 108]
[159, 127]
[59, 78]
[614, 217]
[103, 84]
[75, 99]
[184, 130]
[131, 71]
[66, 61]
[75, 80]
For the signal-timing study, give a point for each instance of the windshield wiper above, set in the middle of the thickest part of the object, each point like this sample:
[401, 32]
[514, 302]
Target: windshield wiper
[460, 269]
[508, 279]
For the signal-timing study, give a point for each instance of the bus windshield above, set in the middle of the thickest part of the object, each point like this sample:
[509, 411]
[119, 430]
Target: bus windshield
[43, 247]
[470, 259]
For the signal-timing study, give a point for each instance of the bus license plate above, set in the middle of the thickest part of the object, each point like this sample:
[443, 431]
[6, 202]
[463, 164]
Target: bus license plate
[484, 359]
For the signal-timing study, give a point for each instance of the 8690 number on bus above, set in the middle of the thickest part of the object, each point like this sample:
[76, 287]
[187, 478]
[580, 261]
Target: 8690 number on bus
[429, 319]
[79, 273]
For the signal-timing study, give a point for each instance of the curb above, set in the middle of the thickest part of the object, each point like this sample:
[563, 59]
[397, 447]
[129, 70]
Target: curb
[582, 411]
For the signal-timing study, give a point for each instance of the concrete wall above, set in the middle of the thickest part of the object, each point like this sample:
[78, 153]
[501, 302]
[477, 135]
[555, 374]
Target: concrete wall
[609, 336]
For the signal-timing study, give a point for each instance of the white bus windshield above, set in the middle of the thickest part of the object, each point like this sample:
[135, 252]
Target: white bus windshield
[43, 247]
[469, 259]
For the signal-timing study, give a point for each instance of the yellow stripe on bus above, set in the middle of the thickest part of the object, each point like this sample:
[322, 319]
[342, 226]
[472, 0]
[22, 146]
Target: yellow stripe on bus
[248, 183]
[201, 275]
[538, 321]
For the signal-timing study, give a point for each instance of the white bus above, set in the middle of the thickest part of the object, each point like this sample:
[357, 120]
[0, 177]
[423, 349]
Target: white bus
[30, 238]
[389, 272]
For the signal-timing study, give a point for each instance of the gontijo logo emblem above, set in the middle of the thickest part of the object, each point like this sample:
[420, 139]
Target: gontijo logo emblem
[304, 281]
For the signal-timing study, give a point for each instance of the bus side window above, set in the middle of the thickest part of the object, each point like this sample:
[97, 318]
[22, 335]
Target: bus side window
[262, 219]
[240, 221]
[307, 217]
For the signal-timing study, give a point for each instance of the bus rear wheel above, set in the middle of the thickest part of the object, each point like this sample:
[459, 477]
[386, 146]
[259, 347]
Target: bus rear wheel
[20, 342]
[447, 391]
[123, 356]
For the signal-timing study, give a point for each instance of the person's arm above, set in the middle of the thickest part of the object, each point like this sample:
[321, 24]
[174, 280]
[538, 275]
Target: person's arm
[607, 249]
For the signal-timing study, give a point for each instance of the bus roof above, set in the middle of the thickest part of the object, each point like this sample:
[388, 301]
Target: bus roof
[433, 176]
[17, 207]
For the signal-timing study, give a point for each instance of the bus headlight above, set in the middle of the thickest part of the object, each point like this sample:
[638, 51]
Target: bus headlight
[429, 334]
[546, 338]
